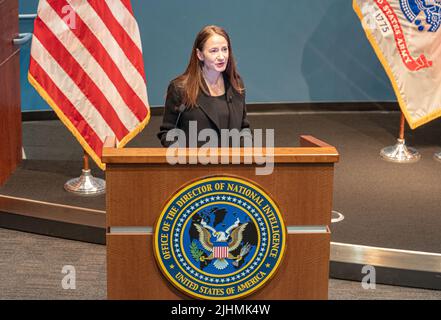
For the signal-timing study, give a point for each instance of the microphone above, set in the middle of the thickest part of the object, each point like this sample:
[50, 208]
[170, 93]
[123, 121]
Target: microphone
[180, 109]
[229, 106]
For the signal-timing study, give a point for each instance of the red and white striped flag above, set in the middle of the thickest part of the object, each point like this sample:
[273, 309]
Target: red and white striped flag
[86, 62]
[220, 252]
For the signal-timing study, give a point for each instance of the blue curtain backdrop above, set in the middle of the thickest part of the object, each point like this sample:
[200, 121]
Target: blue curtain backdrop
[287, 51]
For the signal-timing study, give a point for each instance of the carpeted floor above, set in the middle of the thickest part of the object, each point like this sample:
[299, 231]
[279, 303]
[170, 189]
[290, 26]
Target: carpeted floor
[384, 204]
[31, 268]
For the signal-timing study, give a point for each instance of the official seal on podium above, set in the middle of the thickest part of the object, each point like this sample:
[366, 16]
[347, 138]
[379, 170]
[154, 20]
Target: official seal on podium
[220, 238]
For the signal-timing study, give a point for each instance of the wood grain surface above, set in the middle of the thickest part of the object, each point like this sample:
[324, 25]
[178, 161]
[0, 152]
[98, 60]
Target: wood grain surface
[136, 194]
[133, 272]
[10, 106]
[140, 182]
[9, 30]
[281, 155]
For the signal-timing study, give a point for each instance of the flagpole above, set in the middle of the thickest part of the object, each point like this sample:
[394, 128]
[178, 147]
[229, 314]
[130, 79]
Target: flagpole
[402, 122]
[85, 161]
[86, 184]
[400, 153]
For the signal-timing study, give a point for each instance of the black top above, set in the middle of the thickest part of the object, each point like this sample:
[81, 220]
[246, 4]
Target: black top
[219, 106]
[224, 112]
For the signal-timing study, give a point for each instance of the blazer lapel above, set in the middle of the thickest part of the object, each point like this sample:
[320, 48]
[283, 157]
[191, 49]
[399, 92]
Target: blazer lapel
[209, 112]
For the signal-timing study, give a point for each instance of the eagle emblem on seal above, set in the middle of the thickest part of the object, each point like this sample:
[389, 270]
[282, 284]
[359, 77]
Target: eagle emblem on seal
[422, 12]
[221, 244]
[220, 237]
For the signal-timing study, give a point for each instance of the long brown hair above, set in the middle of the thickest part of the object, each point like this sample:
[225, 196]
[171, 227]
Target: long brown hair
[192, 81]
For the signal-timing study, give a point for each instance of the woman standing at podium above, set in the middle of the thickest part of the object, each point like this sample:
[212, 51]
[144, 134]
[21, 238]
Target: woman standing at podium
[210, 94]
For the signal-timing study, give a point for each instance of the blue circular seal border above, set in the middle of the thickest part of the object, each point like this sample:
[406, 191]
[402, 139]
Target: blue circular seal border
[254, 211]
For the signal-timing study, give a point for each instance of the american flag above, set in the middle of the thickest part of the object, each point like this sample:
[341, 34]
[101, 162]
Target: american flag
[220, 252]
[86, 62]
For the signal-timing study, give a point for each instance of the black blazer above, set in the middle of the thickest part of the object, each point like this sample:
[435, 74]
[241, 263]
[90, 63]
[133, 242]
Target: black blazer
[204, 116]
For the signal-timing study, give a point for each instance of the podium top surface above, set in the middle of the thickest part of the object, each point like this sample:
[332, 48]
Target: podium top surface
[311, 150]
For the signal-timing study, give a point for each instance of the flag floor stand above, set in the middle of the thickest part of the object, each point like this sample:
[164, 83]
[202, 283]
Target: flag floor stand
[86, 184]
[400, 153]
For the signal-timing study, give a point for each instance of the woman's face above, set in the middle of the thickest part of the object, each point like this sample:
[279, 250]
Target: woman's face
[214, 54]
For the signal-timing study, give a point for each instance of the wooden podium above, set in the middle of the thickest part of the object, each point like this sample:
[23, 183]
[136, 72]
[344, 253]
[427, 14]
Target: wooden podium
[10, 107]
[140, 181]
